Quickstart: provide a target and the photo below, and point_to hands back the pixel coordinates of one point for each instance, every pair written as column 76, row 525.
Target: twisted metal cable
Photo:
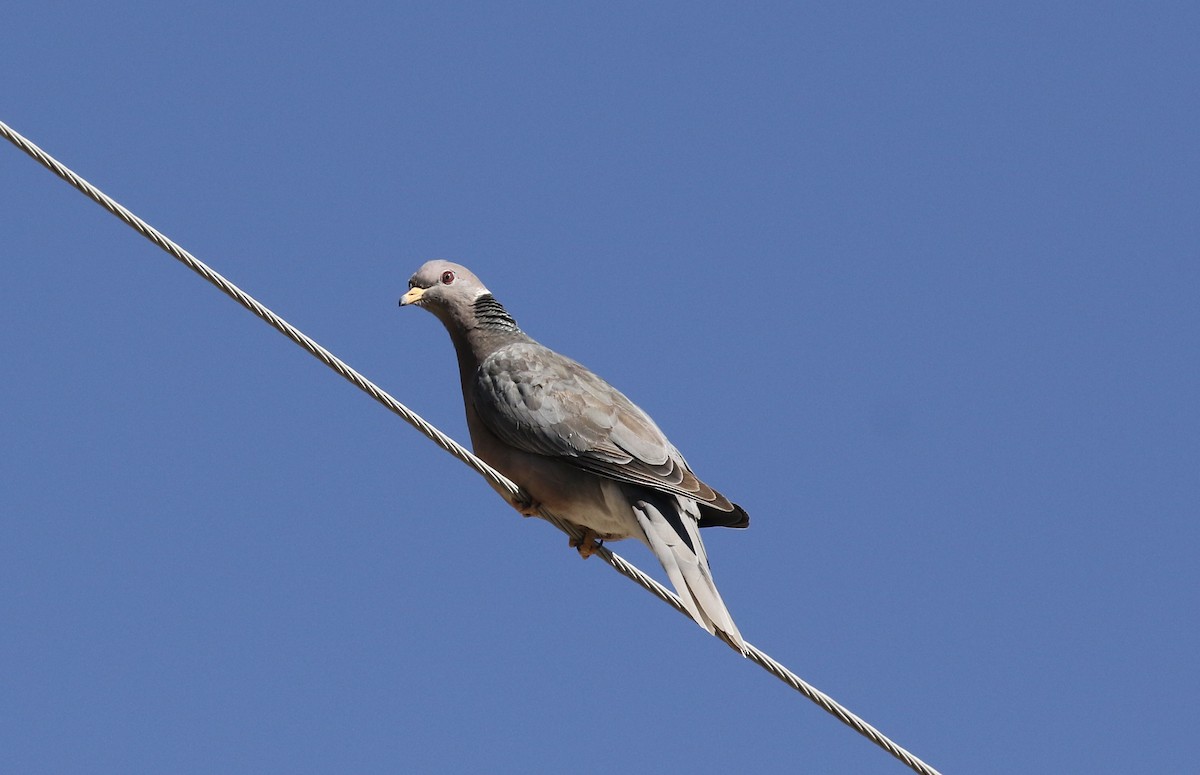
column 505, row 487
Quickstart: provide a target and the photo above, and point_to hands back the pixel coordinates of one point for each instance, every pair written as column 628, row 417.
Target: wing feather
column 539, row 401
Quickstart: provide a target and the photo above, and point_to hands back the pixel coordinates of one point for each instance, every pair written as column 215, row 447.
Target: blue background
column 916, row 284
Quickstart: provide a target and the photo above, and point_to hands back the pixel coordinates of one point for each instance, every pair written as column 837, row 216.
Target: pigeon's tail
column 671, row 525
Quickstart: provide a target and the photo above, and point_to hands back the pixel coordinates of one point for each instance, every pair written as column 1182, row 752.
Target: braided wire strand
column 506, row 488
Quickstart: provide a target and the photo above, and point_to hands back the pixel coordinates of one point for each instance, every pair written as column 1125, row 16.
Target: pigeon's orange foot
column 526, row 505
column 587, row 545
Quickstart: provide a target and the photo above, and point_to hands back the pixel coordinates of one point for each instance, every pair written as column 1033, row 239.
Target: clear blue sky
column 918, row 286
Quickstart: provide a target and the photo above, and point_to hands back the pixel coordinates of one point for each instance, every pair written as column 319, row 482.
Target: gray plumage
column 576, row 444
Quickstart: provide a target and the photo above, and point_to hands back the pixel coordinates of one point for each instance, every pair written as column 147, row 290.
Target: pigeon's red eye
column 447, row 278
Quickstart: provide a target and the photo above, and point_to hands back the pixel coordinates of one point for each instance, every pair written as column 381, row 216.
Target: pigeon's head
column 446, row 289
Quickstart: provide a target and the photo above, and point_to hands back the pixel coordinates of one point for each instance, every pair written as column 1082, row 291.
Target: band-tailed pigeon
column 576, row 444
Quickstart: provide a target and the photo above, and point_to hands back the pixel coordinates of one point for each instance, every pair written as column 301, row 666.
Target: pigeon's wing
column 538, row 401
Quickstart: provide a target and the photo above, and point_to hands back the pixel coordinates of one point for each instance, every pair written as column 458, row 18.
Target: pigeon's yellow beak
column 412, row 297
